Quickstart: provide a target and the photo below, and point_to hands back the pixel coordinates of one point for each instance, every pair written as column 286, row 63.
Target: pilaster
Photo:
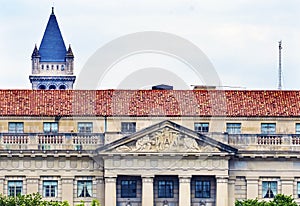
column 67, row 189
column 184, row 190
column 147, row 191
column 222, row 191
column 252, row 187
column 110, row 191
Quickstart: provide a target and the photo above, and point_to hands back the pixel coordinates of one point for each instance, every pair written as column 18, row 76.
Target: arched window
column 62, row 87
column 42, row 87
column 52, row 87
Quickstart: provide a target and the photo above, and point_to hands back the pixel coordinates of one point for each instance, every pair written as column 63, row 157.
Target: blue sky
column 238, row 36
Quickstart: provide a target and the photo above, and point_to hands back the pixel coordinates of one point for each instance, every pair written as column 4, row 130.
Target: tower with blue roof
column 52, row 63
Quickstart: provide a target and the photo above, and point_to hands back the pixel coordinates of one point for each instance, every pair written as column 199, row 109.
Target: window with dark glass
column 85, row 127
column 298, row 189
column 49, row 188
column 84, row 188
column 269, row 189
column 268, row 128
column 128, row 188
column 165, row 189
column 201, row 127
column 128, row 127
column 50, row 127
column 202, row 189
column 233, row 128
column 14, row 187
column 297, row 128
column 15, row 127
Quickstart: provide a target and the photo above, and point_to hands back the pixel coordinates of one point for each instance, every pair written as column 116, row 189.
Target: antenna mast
column 279, row 68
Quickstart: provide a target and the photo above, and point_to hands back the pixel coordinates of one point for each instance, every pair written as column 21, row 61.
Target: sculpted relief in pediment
column 166, row 140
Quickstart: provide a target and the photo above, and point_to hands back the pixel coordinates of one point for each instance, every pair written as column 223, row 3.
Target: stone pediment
column 166, row 137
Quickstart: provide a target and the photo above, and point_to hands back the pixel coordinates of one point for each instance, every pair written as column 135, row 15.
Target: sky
column 240, row 37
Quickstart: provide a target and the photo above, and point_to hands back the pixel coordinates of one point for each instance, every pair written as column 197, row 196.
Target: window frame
column 266, row 188
column 234, row 128
column 268, row 128
column 128, row 127
column 50, row 190
column 165, row 189
column 14, row 188
column 51, row 128
column 201, row 126
column 89, row 188
column 14, row 127
column 85, row 127
column 128, row 190
column 202, row 189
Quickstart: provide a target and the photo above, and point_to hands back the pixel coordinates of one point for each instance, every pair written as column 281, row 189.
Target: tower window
column 42, row 87
column 62, row 67
column 47, row 67
column 62, row 87
column 52, row 87
column 42, row 66
column 57, row 67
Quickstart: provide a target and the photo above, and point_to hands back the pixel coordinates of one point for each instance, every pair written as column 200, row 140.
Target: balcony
column 58, row 141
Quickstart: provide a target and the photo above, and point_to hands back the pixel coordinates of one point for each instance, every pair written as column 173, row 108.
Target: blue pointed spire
column 52, row 48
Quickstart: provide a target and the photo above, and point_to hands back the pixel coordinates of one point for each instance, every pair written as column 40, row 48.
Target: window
column 268, row 128
column 14, row 188
column 165, row 189
column 85, row 127
column 49, row 188
column 128, row 188
column 297, row 128
column 269, row 189
column 128, row 127
column 84, row 188
column 298, row 189
column 233, row 128
column 202, row 189
column 51, row 127
column 15, row 127
column 201, row 127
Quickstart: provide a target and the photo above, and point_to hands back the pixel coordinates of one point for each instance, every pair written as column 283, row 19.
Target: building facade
column 150, row 147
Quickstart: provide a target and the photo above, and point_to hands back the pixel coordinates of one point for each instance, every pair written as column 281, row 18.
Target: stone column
column 67, row 189
column 287, row 184
column 100, row 190
column 147, row 191
column 110, row 191
column 222, row 191
column 2, row 185
column 32, row 185
column 231, row 191
column 184, row 190
column 252, row 187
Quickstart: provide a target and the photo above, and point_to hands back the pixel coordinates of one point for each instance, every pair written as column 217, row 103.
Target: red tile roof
column 231, row 103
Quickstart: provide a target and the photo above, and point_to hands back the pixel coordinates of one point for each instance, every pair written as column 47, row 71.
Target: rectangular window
column 268, row 128
column 15, row 127
column 50, row 127
column 297, row 128
column 14, row 188
column 202, row 189
column 201, row 127
column 85, row 127
column 269, row 189
column 298, row 189
column 128, row 188
column 128, row 127
column 233, row 128
column 165, row 189
column 84, row 188
column 49, row 188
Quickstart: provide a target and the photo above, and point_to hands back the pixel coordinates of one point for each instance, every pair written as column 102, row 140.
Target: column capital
column 252, row 178
column 222, row 179
column 110, row 179
column 147, row 179
column 185, row 178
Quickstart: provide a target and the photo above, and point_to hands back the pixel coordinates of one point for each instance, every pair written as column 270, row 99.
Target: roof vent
column 203, row 87
column 162, row 87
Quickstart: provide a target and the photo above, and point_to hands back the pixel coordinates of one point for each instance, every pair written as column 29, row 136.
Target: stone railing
column 264, row 142
column 59, row 141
